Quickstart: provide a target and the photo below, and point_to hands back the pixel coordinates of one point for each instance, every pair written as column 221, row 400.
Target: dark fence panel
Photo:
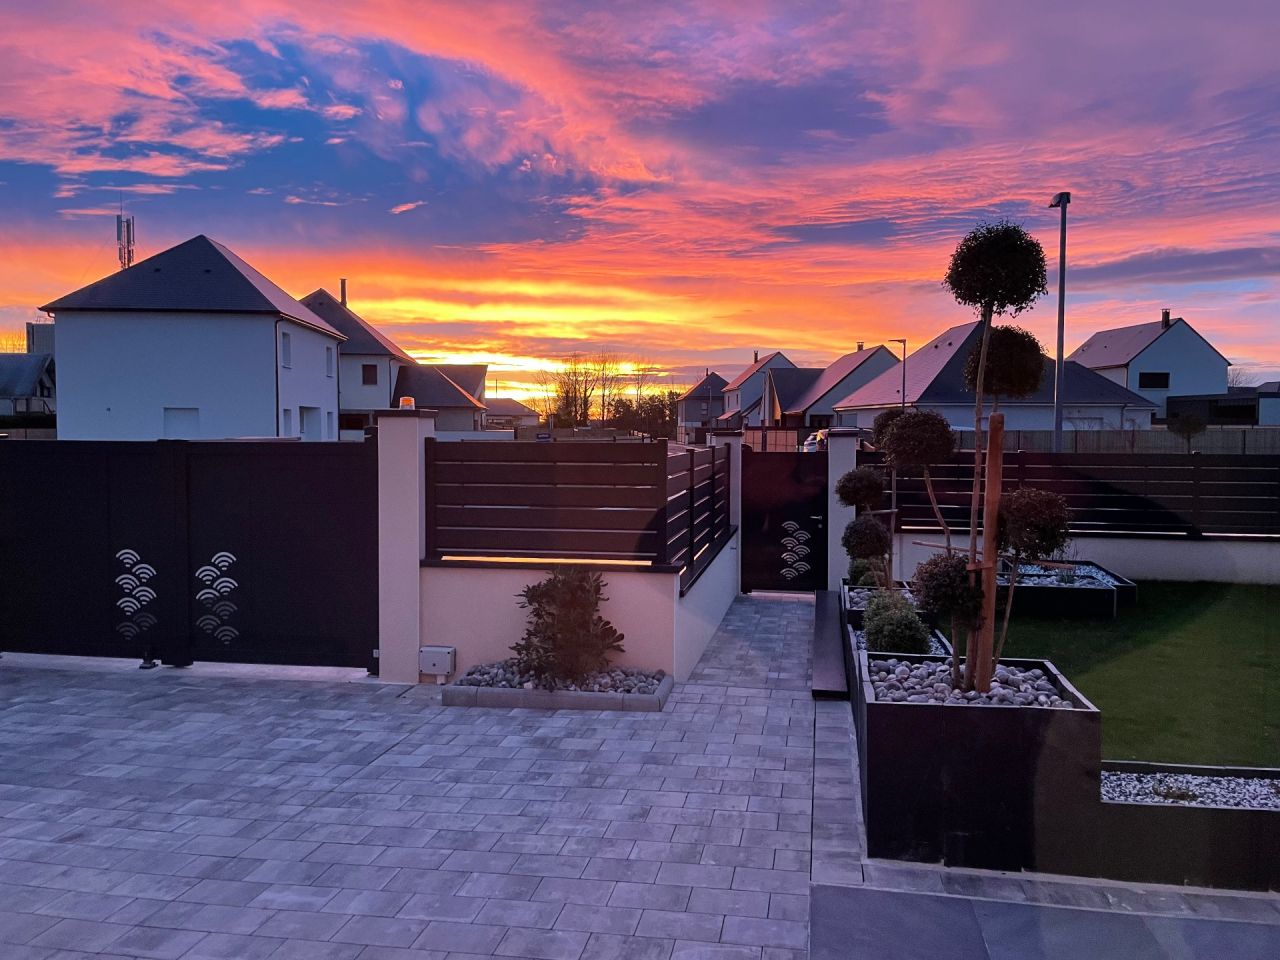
column 1186, row 494
column 590, row 501
column 250, row 552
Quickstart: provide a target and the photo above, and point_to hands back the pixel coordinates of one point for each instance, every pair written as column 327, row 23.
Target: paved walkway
column 170, row 814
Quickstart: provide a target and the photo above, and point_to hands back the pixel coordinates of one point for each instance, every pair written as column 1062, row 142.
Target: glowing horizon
column 679, row 187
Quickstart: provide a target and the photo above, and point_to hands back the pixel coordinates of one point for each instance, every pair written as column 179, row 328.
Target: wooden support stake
column 984, row 667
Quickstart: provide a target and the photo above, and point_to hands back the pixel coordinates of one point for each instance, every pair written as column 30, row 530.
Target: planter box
column 1060, row 601
column 456, row 695
column 994, row 787
column 853, row 615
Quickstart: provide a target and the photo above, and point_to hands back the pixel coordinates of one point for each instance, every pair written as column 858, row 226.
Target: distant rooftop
column 832, row 375
column 1118, row 346
column 199, row 275
column 431, row 387
column 710, row 385
column 755, row 368
column 362, row 337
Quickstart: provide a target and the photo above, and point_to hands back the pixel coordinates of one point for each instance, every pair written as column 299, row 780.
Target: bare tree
column 13, row 343
column 1239, row 377
column 643, row 372
column 576, row 382
column 609, row 382
column 545, row 401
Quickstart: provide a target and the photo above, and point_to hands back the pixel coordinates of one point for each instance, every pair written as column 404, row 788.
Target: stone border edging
column 455, row 695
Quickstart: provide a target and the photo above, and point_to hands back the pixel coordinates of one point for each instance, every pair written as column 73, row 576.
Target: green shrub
column 881, row 424
column 892, row 625
column 863, row 487
column 859, row 568
column 943, row 590
column 917, row 440
column 566, row 638
column 1015, row 364
column 865, row 538
column 1033, row 523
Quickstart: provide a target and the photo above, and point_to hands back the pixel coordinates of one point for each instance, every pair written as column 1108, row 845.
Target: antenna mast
column 124, row 240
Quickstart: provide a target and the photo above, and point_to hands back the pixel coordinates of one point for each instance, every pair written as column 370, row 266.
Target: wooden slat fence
column 1188, row 494
column 591, row 501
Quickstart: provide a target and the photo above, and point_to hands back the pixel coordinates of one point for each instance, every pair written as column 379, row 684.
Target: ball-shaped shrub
column 1033, row 523
column 880, row 425
column 1015, row 364
column 997, row 266
column 918, row 439
column 942, row 588
column 891, row 624
column 865, row 538
column 859, row 568
column 862, row 487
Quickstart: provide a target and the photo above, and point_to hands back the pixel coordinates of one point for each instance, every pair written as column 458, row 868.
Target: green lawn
column 1191, row 674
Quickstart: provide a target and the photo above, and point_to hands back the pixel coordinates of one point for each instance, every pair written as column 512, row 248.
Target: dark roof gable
column 362, row 337
column 197, row 276
column 430, row 387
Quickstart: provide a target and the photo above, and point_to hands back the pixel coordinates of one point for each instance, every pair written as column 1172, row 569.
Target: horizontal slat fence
column 1188, row 494
column 589, row 501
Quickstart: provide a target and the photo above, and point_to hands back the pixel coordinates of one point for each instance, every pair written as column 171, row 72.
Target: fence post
column 402, row 530
column 662, row 553
column 842, row 456
column 1196, row 519
column 733, row 439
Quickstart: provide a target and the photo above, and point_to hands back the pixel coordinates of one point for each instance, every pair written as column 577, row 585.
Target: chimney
column 756, row 357
column 861, row 344
column 1164, row 319
column 342, row 295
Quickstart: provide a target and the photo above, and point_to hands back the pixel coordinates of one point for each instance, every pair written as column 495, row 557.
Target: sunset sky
column 681, row 182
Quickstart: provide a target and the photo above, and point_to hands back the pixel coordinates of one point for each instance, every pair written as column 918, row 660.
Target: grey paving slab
column 245, row 813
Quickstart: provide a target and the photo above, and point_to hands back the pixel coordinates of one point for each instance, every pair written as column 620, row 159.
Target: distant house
column 368, row 363
column 744, row 393
column 507, row 413
column 935, row 381
column 1157, row 360
column 193, row 343
column 699, row 407
column 457, row 409
column 27, row 384
column 1257, row 406
column 805, row 397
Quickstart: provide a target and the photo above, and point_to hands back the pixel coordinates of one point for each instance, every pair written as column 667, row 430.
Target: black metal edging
column 715, row 548
column 1186, row 769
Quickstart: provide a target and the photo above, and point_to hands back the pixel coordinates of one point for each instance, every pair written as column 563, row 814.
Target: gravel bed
column 615, row 680
column 1051, row 580
column 1082, row 570
column 1192, row 790
column 859, row 597
column 936, row 649
column 930, row 682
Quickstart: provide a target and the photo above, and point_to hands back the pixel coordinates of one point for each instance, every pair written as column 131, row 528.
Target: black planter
column 853, row 615
column 996, row 787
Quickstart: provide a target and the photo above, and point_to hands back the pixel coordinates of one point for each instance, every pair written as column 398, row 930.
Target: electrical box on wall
column 437, row 660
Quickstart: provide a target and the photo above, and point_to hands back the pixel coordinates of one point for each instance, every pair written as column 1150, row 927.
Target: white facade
column 751, row 390
column 1182, row 356
column 156, row 375
column 355, row 394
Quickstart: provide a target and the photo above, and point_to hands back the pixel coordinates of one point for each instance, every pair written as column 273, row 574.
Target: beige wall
column 476, row 610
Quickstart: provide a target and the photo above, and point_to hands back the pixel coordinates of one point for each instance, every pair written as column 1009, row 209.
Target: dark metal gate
column 241, row 552
column 784, row 519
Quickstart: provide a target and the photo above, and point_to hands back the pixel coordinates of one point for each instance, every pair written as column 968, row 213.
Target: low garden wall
column 473, row 606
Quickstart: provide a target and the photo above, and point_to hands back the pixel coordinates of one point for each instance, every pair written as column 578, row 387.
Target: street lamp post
column 1060, row 201
column 893, row 476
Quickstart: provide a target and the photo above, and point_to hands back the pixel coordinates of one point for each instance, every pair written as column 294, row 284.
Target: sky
column 679, row 184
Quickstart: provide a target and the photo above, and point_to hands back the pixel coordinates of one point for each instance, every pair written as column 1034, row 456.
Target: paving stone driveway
column 174, row 815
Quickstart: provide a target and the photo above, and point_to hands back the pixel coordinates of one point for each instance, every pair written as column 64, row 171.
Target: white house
column 699, row 407
column 1157, row 359
column 368, row 363
column 743, row 394
column 508, row 413
column 800, row 397
column 935, row 381
column 193, row 343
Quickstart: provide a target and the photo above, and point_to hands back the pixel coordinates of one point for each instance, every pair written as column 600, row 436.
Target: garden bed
column 1047, row 594
column 502, row 685
column 854, row 600
column 1126, row 589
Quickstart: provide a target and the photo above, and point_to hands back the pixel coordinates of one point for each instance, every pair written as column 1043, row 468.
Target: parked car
column 817, row 441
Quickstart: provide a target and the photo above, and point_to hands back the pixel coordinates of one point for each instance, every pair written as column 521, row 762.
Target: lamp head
column 1060, row 200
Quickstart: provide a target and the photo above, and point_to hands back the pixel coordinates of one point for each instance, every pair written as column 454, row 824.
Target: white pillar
column 733, row 440
column 842, row 456
column 402, row 483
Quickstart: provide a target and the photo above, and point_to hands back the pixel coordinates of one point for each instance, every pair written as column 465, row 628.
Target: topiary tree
column 998, row 269
column 866, row 538
column 880, row 425
column 916, row 440
column 1034, row 524
column 1015, row 365
column 566, row 638
column 1187, row 426
column 862, row 487
column 891, row 624
column 945, row 591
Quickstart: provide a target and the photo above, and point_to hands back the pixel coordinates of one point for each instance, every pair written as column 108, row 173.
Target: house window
column 286, row 350
column 328, row 424
column 286, row 421
column 820, row 422
column 328, row 361
column 369, row 374
column 1153, row 381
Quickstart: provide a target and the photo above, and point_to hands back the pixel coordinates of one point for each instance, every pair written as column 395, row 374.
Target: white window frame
column 286, row 350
